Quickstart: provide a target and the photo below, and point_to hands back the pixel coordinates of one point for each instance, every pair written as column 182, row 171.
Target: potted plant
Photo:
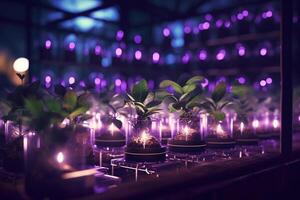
column 185, row 100
column 111, row 133
column 215, row 105
column 143, row 146
column 13, row 111
column 243, row 106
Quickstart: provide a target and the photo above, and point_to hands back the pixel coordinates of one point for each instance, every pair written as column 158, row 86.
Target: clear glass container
column 188, row 137
column 144, row 144
column 220, row 133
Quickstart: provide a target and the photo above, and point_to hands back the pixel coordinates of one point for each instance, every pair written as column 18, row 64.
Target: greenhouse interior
column 149, row 99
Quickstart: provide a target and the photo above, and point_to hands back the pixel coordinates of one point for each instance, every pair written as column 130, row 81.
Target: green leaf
column 140, row 91
column 218, row 115
column 153, row 104
column 176, row 86
column 188, row 96
column 117, row 123
column 70, row 100
column 195, row 79
column 189, row 88
column 240, row 91
column 53, row 105
column 171, row 108
column 85, row 100
column 219, row 92
column 78, row 111
column 34, row 106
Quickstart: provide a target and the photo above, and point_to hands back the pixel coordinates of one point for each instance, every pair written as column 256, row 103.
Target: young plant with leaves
column 112, row 105
column 244, row 102
column 13, row 104
column 144, row 102
column 73, row 106
column 184, row 99
column 217, row 102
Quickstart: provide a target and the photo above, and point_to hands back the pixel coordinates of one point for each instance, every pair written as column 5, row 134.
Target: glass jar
column 243, row 132
column 144, row 145
column 220, row 132
column 188, row 138
column 51, row 157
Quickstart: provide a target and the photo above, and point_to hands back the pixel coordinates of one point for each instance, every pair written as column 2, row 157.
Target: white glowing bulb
column 275, row 123
column 112, row 128
column 144, row 137
column 21, row 65
column 60, row 157
column 242, row 126
column 255, row 123
column 186, row 130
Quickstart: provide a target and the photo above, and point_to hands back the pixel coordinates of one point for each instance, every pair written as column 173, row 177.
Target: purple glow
column 82, row 83
column 219, row 23
column 227, row 24
column 263, row 51
column 118, row 52
column 195, row 30
column 137, row 39
column 269, row 13
column 221, row 54
column 138, row 55
column 187, row 30
column 202, row 55
column 208, row 17
column 262, row 83
column 245, row 13
column 118, row 82
column 185, row 58
column 241, row 51
column 71, row 80
column 120, row 35
column 123, row 86
column 240, row 16
column 205, row 25
column 97, row 81
column 97, row 50
column 299, row 118
column 166, row 32
column 205, row 83
column 48, row 44
column 242, row 80
column 48, row 79
column 72, row 46
column 155, row 57
column 269, row 80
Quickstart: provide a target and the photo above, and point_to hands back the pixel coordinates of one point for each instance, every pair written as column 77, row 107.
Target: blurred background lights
column 263, row 51
column 119, row 35
column 138, row 55
column 48, row 44
column 269, row 80
column 202, row 55
column 48, row 79
column 262, row 83
column 241, row 51
column 97, row 50
column 137, row 39
column 221, row 54
column 241, row 80
column 72, row 46
column 118, row 82
column 155, row 57
column 118, row 52
column 97, row 81
column 166, row 32
column 71, row 80
column 21, row 65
